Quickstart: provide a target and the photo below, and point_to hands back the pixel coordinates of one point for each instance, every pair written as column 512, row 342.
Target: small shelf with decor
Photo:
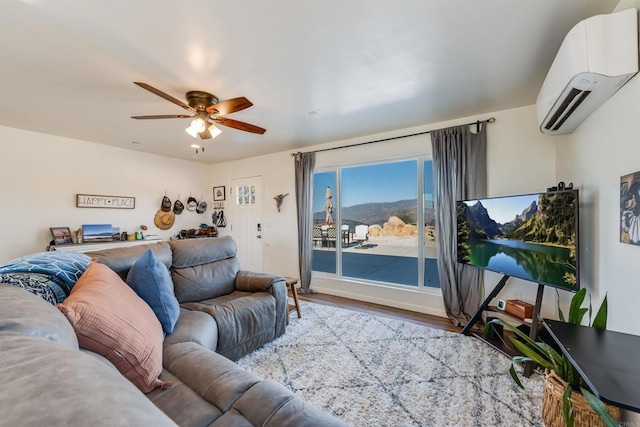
column 89, row 247
column 532, row 323
column 499, row 340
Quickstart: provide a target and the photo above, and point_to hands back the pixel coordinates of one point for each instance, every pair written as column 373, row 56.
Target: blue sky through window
column 385, row 182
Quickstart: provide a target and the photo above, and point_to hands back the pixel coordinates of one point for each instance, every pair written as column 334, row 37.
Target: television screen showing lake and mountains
column 532, row 237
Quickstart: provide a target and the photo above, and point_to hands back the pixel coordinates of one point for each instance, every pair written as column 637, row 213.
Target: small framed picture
column 61, row 235
column 218, row 194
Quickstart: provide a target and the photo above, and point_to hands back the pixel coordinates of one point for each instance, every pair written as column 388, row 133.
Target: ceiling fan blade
column 166, row 116
column 230, row 106
column 239, row 125
column 165, row 96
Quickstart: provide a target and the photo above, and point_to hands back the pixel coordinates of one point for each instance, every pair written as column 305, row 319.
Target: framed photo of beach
column 61, row 235
column 97, row 233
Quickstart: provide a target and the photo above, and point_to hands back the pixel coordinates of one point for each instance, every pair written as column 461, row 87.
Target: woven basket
column 584, row 415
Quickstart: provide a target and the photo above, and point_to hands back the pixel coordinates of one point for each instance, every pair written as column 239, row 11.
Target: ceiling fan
column 207, row 110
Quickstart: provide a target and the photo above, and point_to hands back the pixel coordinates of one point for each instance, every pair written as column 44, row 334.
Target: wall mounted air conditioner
column 597, row 57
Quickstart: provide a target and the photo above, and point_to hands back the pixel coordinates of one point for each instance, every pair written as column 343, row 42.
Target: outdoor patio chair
column 317, row 236
column 324, row 231
column 361, row 235
column 346, row 236
column 331, row 236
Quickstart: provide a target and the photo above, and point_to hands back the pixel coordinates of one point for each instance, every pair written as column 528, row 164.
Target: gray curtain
column 304, row 164
column 459, row 172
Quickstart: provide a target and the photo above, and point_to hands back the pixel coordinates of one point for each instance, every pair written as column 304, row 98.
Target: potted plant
column 566, row 395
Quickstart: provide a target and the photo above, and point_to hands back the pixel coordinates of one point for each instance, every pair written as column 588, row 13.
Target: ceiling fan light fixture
column 215, row 131
column 191, row 132
column 197, row 125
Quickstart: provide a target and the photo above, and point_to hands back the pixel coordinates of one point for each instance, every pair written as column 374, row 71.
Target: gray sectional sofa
column 224, row 313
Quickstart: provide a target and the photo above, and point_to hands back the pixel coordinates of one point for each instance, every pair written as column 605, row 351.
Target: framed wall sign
column 111, row 202
column 219, row 194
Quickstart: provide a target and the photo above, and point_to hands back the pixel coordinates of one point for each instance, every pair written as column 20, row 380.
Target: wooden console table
column 607, row 360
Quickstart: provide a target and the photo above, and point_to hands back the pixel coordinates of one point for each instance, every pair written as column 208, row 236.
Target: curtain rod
column 477, row 123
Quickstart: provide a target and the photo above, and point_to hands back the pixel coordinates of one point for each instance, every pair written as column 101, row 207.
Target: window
column 367, row 223
column 246, row 195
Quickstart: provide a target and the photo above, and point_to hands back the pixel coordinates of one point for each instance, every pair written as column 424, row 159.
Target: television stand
column 535, row 320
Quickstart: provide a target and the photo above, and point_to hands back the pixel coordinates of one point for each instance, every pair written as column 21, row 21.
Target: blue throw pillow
column 152, row 282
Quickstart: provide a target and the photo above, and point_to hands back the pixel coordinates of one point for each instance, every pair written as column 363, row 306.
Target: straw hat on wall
column 164, row 220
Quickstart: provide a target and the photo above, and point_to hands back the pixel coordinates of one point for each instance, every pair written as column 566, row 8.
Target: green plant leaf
column 576, row 303
column 533, row 354
column 599, row 408
column 567, row 406
column 600, row 321
column 560, row 313
column 485, row 331
column 554, row 357
column 514, row 375
column 516, row 331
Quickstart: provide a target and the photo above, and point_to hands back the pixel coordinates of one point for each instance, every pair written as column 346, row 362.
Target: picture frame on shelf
column 97, row 233
column 219, row 194
column 61, row 235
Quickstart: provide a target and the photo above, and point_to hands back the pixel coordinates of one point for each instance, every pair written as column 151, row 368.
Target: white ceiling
column 68, row 66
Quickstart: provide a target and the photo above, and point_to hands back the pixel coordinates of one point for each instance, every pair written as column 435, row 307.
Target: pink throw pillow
column 111, row 320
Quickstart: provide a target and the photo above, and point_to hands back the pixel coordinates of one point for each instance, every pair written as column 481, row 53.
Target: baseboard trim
column 381, row 301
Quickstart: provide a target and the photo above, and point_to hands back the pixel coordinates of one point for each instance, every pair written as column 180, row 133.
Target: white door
column 245, row 219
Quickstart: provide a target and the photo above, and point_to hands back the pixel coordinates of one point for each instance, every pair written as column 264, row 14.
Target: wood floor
column 381, row 310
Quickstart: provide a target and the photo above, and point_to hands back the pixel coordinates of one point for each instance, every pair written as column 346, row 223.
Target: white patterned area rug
column 377, row 371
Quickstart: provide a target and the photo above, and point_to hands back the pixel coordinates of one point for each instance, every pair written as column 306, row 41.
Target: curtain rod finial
column 491, row 120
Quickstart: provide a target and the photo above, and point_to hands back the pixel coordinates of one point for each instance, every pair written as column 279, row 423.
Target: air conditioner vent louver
column 597, row 57
column 569, row 105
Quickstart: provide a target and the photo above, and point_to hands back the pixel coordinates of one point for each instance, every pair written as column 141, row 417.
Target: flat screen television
column 532, row 236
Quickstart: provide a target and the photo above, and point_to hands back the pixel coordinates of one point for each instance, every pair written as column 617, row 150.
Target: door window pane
column 246, row 195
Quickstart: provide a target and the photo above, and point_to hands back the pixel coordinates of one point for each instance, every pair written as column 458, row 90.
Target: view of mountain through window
column 370, row 223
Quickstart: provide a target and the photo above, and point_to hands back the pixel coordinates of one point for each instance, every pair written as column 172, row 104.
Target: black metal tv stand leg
column 467, row 328
column 535, row 323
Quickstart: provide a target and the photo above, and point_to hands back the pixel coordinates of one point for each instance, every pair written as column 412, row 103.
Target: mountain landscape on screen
column 532, row 237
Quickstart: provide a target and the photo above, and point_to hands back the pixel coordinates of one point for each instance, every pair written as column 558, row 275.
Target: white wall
column 519, row 160
column 280, row 229
column 41, row 174
column 604, row 148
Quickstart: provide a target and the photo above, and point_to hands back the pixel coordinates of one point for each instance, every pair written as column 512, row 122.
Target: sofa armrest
column 248, row 281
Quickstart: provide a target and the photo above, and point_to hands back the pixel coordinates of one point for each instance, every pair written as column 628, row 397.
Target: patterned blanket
column 63, row 270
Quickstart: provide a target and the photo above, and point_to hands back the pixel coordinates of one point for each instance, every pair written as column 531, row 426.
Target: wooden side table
column 291, row 285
